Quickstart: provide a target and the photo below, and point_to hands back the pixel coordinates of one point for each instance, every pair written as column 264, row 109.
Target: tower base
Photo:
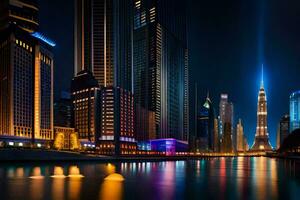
column 262, row 144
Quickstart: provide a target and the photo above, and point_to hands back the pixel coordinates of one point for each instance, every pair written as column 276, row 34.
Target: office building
column 23, row 13
column 283, row 130
column 294, row 111
column 160, row 60
column 26, row 87
column 103, row 41
column 117, row 122
column 204, row 140
column 261, row 141
column 242, row 144
column 86, row 105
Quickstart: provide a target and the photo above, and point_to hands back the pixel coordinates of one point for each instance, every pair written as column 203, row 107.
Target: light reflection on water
column 214, row 178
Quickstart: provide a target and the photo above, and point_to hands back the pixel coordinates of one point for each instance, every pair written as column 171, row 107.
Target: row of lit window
column 24, row 45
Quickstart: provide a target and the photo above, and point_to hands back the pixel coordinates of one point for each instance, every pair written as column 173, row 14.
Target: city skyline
column 209, row 39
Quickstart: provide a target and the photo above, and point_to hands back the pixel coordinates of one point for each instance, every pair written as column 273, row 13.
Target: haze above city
column 228, row 42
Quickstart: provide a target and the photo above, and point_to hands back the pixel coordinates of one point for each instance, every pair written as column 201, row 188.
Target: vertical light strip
column 37, row 96
column 82, row 35
column 104, row 43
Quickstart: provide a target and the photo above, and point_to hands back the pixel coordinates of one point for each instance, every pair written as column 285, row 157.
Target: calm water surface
column 217, row 178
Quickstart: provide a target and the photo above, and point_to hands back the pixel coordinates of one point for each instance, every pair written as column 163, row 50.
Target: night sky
column 228, row 42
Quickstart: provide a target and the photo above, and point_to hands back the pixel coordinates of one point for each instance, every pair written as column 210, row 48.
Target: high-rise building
column 283, row 130
column 103, row 41
column 226, row 144
column 216, row 135
column 26, row 86
column 261, row 141
column 294, row 111
column 86, row 105
column 160, row 59
column 117, row 122
column 23, row 13
column 63, row 111
column 241, row 141
column 204, row 140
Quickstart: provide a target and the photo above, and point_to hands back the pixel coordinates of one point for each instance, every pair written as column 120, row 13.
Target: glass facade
column 294, row 111
column 160, row 62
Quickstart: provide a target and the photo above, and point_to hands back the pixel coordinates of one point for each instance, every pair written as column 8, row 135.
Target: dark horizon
column 228, row 42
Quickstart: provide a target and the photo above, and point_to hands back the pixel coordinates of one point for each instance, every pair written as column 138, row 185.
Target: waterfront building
column 204, row 140
column 160, row 60
column 117, row 122
column 294, row 111
column 227, row 144
column 283, row 130
column 167, row 146
column 63, row 111
column 65, row 138
column 26, row 87
column 86, row 105
column 242, row 144
column 23, row 13
column 103, row 41
column 216, row 135
column 261, row 141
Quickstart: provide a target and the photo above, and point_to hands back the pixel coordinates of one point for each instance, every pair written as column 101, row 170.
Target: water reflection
column 112, row 187
column 218, row 178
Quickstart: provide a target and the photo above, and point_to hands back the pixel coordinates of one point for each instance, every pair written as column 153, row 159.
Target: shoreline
column 38, row 155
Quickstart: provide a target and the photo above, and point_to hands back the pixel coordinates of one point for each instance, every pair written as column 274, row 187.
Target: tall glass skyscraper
column 294, row 110
column 160, row 59
column 103, row 41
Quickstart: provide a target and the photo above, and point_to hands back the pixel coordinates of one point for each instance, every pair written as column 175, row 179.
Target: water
column 217, row 178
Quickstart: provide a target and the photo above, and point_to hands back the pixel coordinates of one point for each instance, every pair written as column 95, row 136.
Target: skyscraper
column 86, row 105
column 23, row 13
column 26, row 86
column 242, row 144
column 204, row 140
column 294, row 111
column 117, row 122
column 103, row 41
column 261, row 142
column 284, row 128
column 160, row 59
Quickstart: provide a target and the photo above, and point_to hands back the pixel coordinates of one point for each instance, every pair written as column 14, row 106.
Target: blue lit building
column 294, row 110
column 167, row 145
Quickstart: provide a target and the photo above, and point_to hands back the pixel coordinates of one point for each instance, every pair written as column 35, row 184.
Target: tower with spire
column 261, row 142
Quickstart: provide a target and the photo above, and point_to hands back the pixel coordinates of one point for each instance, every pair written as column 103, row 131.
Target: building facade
column 26, row 86
column 160, row 60
column 86, row 105
column 294, row 111
column 283, row 130
column 103, row 41
column 242, row 144
column 117, row 135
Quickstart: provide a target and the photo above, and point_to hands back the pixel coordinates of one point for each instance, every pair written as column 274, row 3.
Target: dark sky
column 228, row 42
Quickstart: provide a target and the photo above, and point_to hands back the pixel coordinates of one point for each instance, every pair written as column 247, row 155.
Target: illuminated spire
column 262, row 76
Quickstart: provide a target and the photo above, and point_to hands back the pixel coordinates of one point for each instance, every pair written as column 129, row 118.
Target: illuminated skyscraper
column 261, row 142
column 283, row 129
column 103, row 41
column 294, row 111
column 160, row 59
column 26, row 86
column 86, row 105
column 117, row 122
column 23, row 13
column 242, row 144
